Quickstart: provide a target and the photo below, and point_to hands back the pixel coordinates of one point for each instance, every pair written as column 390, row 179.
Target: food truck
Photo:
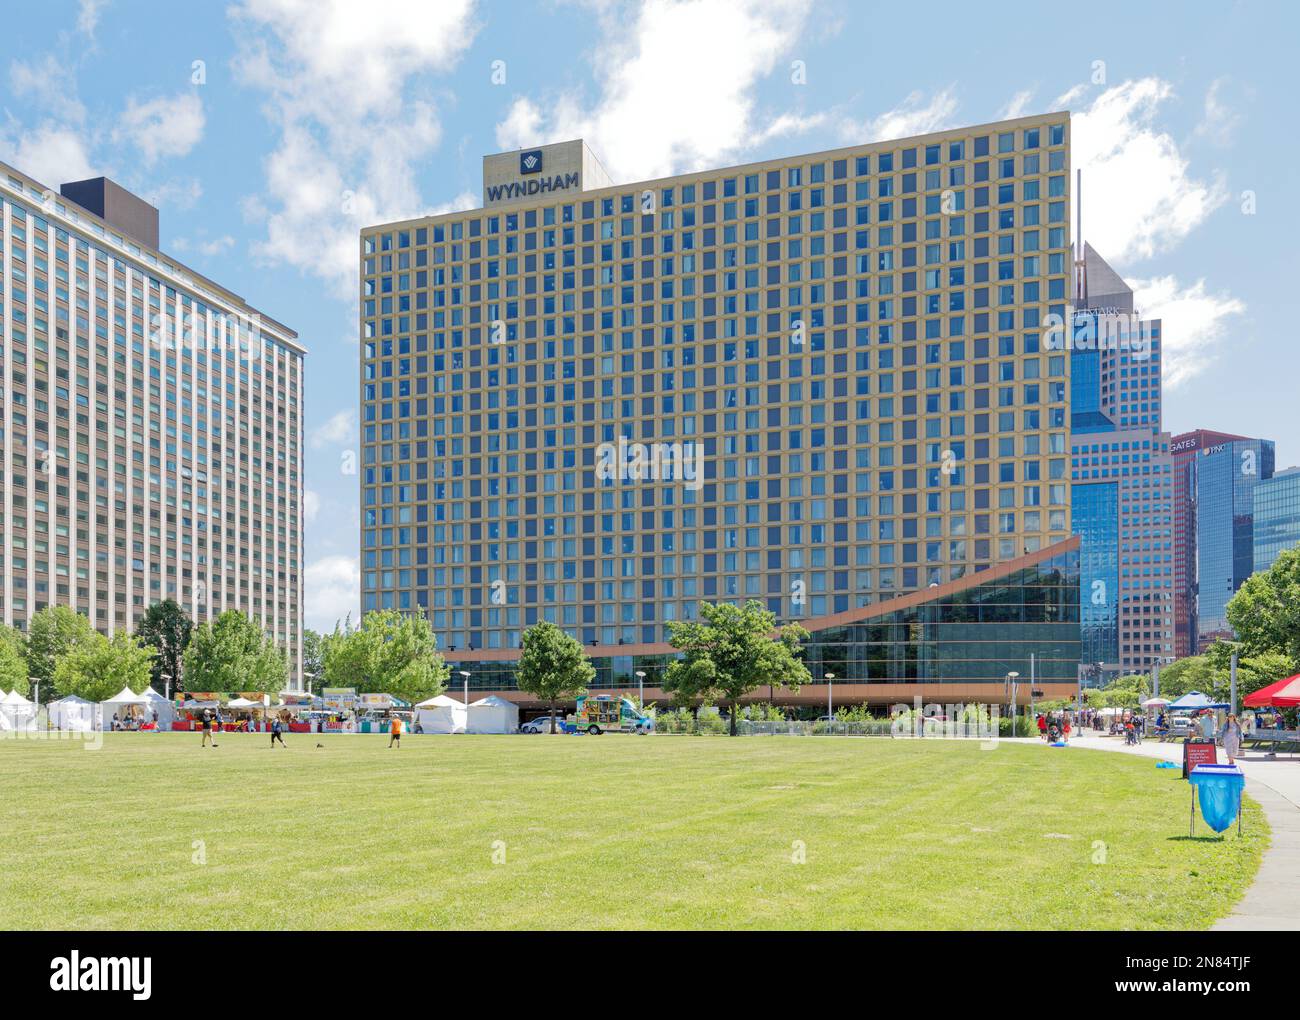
column 601, row 713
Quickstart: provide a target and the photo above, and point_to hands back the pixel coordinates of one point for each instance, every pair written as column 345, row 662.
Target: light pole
column 465, row 676
column 311, row 676
column 167, row 685
column 830, row 700
column 640, row 689
column 1012, row 677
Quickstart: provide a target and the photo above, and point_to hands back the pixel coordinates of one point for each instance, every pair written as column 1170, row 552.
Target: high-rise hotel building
column 151, row 424
column 817, row 381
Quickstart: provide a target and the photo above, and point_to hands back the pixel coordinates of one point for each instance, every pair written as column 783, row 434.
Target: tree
column 1211, row 673
column 1265, row 612
column 233, row 654
column 313, row 653
column 732, row 651
column 98, row 669
column 390, row 653
column 166, row 627
column 13, row 669
column 552, row 665
column 52, row 633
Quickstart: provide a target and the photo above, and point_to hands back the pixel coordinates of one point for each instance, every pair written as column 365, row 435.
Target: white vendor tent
column 73, row 713
column 157, row 703
column 493, row 715
column 122, row 703
column 16, row 712
column 441, row 715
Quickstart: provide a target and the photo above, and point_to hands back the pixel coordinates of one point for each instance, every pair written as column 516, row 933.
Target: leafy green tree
column 52, row 633
column 233, row 654
column 166, row 627
column 1128, row 691
column 733, row 650
column 313, row 653
column 1211, row 673
column 390, row 653
column 552, row 665
column 1265, row 612
column 97, row 669
column 13, row 670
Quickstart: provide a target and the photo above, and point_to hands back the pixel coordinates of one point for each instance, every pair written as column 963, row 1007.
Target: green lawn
column 602, row 832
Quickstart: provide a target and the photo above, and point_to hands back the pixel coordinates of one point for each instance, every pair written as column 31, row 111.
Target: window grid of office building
column 850, row 340
column 151, row 428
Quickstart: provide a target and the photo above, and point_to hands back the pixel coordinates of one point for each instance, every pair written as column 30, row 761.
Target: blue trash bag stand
column 1220, row 788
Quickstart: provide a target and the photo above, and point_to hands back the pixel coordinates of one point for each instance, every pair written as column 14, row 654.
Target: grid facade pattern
column 1226, row 477
column 151, row 430
column 1277, row 517
column 850, row 340
column 1128, row 529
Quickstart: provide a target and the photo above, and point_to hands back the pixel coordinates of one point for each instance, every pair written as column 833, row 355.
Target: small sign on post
column 1199, row 752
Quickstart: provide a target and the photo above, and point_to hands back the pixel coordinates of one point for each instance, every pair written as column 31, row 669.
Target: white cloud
column 210, row 246
column 345, row 84
column 1220, row 120
column 1139, row 198
column 342, row 427
column 310, row 505
column 162, row 128
column 677, row 82
column 51, row 83
column 88, row 15
column 51, row 153
column 1194, row 323
column 916, row 115
column 1020, row 105
column 332, row 588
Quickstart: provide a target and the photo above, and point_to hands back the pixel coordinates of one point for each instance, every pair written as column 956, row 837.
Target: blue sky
column 269, row 131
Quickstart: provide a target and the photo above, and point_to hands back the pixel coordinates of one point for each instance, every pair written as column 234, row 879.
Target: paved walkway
column 1272, row 903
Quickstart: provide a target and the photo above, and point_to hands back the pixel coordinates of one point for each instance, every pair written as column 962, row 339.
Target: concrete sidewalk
column 1272, row 903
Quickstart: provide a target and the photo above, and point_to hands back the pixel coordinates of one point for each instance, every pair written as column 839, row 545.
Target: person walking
column 207, row 724
column 277, row 732
column 395, row 729
column 1232, row 738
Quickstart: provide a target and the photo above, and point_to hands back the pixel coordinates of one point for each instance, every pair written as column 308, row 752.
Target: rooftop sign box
column 547, row 172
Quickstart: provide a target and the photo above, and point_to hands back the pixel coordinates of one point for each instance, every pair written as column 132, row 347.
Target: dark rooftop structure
column 113, row 203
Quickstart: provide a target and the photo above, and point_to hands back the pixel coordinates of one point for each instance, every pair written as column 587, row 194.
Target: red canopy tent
column 1283, row 694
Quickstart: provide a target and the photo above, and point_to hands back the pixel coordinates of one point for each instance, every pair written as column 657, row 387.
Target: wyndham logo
column 530, row 162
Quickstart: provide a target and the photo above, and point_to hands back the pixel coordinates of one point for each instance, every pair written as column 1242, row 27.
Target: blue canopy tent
column 1195, row 701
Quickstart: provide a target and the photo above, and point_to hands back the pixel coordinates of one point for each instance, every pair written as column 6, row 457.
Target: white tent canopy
column 441, row 715
column 72, row 713
column 121, row 701
column 157, row 703
column 16, row 712
column 493, row 715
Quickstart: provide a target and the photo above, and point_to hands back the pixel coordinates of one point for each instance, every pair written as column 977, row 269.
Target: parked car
column 542, row 724
column 1180, row 725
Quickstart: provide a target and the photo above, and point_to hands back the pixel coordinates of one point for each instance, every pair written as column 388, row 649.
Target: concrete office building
column 151, row 424
column 1122, row 479
column 1215, row 477
column 1277, row 516
column 817, row 381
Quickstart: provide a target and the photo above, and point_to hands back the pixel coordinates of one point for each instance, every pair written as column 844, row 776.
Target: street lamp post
column 167, row 685
column 640, row 689
column 1012, row 677
column 830, row 700
column 465, row 676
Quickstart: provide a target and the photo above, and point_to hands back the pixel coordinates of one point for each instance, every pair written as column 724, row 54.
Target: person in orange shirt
column 396, row 730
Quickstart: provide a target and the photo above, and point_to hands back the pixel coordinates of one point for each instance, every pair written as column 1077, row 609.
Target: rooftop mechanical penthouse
column 847, row 346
